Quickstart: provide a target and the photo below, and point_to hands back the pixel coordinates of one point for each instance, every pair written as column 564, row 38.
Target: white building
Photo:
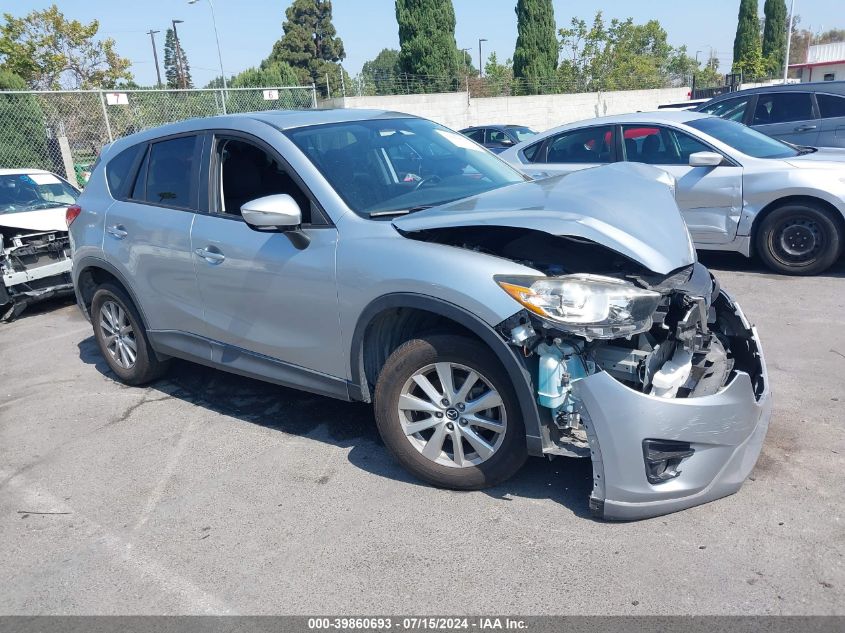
column 825, row 62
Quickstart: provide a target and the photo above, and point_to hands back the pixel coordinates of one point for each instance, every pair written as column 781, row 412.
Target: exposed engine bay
column 34, row 266
column 691, row 344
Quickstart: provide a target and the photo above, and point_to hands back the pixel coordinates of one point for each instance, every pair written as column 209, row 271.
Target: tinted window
column 117, row 169
column 476, row 135
column 532, row 152
column 783, row 107
column 731, row 109
column 587, row 145
column 171, row 172
column 830, row 106
column 745, row 139
column 659, row 145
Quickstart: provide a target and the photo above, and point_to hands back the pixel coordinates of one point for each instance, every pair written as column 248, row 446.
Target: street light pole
column 152, row 33
column 464, row 53
column 788, row 41
column 480, row 61
column 181, row 79
column 217, row 39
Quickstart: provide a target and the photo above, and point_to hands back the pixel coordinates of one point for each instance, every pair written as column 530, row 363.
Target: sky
column 248, row 28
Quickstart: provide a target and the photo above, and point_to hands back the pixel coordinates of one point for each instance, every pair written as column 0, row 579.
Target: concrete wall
column 541, row 112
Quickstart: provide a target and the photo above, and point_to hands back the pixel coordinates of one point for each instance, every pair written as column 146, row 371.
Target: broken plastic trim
column 662, row 458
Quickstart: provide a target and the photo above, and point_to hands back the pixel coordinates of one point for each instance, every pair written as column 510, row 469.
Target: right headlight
column 591, row 306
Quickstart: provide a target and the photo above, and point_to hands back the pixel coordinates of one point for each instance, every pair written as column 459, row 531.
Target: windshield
column 27, row 192
column 521, row 133
column 393, row 166
column 743, row 138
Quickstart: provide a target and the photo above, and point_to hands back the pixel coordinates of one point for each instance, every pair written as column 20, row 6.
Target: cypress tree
column 427, row 40
column 774, row 35
column 748, row 53
column 172, row 66
column 536, row 54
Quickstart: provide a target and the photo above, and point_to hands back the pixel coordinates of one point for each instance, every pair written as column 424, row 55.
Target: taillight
column 72, row 213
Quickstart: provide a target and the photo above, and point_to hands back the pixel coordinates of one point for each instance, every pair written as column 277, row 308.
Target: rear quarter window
column 118, row 168
column 530, row 153
column 831, row 106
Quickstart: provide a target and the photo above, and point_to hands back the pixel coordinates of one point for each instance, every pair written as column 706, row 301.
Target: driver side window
column 246, row 172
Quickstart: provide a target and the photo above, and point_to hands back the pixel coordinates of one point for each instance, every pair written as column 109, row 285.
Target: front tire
column 122, row 338
column 447, row 411
column 799, row 239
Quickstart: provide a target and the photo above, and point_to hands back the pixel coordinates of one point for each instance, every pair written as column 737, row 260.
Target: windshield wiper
column 804, row 149
column 382, row 214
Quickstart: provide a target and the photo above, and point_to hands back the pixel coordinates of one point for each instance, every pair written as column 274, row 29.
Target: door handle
column 212, row 257
column 805, row 128
column 117, row 231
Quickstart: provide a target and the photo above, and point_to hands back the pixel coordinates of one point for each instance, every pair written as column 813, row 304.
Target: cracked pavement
column 210, row 493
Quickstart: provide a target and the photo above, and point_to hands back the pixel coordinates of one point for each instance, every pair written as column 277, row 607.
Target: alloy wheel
column 452, row 415
column 118, row 335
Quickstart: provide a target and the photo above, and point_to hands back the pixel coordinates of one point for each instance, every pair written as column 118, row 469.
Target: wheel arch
column 89, row 274
column 392, row 319
column 838, row 214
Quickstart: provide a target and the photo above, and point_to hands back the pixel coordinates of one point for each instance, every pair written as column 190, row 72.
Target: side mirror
column 507, row 142
column 705, row 159
column 279, row 212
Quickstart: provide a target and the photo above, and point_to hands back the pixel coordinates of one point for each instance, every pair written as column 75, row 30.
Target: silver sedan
column 738, row 189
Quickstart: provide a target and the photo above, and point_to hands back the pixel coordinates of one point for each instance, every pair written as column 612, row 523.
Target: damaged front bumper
column 671, row 418
column 722, row 433
column 34, row 267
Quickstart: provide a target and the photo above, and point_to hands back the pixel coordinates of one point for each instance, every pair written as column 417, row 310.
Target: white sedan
column 34, row 247
column 738, row 189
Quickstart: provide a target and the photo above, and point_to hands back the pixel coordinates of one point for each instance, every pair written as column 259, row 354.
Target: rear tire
column 799, row 239
column 465, row 435
column 122, row 337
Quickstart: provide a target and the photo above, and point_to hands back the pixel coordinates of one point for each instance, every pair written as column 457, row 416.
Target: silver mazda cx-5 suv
column 379, row 257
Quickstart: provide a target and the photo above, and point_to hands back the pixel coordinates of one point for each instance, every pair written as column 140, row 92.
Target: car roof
column 279, row 119
column 657, row 117
column 834, row 87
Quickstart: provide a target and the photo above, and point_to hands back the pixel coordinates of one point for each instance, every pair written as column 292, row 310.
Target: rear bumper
column 726, row 431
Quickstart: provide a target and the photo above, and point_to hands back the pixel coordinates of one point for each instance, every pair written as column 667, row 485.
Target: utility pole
column 480, row 61
column 179, row 70
column 788, row 41
column 465, row 54
column 152, row 33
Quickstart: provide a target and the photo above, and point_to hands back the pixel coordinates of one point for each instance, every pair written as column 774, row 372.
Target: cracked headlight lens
column 591, row 306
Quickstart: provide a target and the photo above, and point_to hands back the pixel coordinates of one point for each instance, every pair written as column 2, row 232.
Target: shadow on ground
column 345, row 424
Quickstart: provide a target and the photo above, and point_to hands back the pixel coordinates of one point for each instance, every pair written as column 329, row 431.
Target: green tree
column 23, row 137
column 620, row 56
column 709, row 76
column 499, row 76
column 427, row 41
column 748, row 52
column 379, row 75
column 272, row 76
column 774, row 35
column 536, row 55
column 51, row 52
column 177, row 71
column 310, row 46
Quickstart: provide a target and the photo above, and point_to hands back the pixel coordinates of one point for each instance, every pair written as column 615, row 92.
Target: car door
column 788, row 116
column 710, row 198
column 148, row 228
column 570, row 151
column 265, row 295
column 832, row 120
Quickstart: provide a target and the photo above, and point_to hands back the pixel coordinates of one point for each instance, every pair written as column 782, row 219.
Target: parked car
column 739, row 190
column 804, row 114
column 379, row 257
column 34, row 248
column 497, row 138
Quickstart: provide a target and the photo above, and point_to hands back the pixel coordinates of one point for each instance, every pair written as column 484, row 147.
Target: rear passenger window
column 117, row 170
column 783, row 107
column 169, row 173
column 831, row 106
column 587, row 145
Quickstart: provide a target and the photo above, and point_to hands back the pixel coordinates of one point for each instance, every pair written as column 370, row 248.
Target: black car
column 497, row 138
column 810, row 114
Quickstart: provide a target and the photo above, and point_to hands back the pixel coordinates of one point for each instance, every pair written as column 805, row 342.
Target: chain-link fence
column 64, row 131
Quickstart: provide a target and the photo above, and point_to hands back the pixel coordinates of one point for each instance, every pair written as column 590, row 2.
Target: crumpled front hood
column 35, row 221
column 822, row 158
column 626, row 207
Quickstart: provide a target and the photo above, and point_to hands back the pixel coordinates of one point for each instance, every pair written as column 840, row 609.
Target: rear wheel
column 122, row 338
column 799, row 239
column 447, row 411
